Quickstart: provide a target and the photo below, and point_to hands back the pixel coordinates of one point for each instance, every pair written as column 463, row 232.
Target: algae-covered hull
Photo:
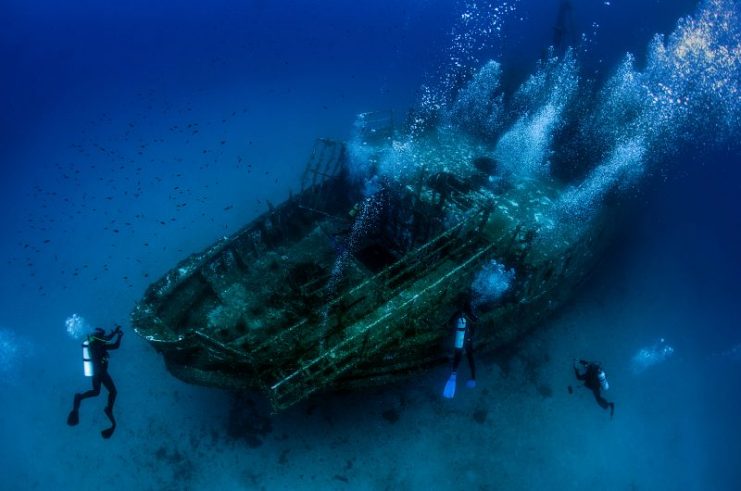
column 351, row 282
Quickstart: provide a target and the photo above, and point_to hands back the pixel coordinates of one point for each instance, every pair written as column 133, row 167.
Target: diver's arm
column 115, row 331
column 118, row 341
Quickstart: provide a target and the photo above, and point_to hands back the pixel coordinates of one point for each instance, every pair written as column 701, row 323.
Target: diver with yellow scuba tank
column 95, row 364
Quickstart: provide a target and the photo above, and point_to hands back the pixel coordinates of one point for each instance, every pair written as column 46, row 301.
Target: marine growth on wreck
column 505, row 200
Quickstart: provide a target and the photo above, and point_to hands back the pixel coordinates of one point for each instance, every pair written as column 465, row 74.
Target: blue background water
column 132, row 135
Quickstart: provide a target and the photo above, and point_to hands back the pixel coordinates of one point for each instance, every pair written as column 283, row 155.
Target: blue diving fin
column 449, row 390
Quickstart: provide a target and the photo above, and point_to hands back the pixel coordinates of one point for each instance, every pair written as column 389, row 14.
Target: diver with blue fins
column 462, row 323
column 594, row 379
column 95, row 364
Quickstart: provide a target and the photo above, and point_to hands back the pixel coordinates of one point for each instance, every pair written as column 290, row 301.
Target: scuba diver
column 462, row 322
column 594, row 378
column 95, row 361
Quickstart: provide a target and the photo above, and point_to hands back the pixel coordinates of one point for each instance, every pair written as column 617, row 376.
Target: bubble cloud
column 77, row 326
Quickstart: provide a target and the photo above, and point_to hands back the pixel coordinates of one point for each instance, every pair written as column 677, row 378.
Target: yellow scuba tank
column 87, row 361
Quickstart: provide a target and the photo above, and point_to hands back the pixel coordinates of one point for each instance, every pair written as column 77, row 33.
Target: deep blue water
column 133, row 135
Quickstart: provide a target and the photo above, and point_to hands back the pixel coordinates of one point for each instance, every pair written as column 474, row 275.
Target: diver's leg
column 111, row 387
column 604, row 404
column 600, row 400
column 74, row 416
column 450, row 385
column 108, row 382
column 457, row 358
column 94, row 392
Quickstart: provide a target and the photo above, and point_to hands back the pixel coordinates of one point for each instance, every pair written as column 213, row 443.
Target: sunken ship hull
column 338, row 288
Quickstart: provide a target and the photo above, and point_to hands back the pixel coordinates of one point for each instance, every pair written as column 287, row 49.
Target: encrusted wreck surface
column 345, row 286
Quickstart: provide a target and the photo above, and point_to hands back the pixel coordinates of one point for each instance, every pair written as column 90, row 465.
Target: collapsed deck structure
column 351, row 281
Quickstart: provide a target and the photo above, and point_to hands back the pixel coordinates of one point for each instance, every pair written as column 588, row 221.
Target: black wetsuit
column 467, row 340
column 98, row 348
column 590, row 377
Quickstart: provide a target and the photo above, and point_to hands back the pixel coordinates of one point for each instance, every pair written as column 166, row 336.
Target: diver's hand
column 118, row 330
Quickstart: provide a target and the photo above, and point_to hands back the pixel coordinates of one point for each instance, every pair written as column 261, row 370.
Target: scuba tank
column 460, row 332
column 87, row 361
column 604, row 385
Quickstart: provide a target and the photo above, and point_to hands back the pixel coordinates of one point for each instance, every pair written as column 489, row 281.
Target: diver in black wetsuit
column 594, row 378
column 462, row 323
column 98, row 347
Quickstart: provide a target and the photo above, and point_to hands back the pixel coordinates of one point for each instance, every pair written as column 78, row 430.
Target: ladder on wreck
column 449, row 254
column 326, row 161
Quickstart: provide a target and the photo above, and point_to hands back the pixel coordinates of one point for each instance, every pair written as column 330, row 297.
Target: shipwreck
column 351, row 281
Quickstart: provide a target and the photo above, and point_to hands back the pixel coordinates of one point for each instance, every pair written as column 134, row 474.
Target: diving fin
column 449, row 390
column 107, row 432
column 73, row 418
column 74, row 415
